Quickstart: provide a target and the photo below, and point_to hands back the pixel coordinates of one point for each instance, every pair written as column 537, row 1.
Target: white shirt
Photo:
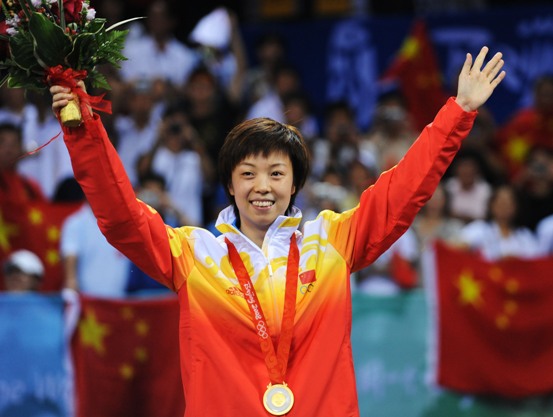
column 102, row 271
column 134, row 142
column 183, row 173
column 146, row 61
column 486, row 238
column 472, row 203
column 51, row 165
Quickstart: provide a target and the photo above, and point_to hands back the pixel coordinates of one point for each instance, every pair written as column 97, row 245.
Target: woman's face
column 503, row 206
column 262, row 188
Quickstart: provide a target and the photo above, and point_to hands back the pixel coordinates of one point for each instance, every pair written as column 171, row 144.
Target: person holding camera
column 181, row 159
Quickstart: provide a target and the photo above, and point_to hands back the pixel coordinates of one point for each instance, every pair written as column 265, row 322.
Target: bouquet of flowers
column 44, row 42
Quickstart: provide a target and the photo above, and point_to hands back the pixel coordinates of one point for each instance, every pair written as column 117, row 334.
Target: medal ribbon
column 277, row 363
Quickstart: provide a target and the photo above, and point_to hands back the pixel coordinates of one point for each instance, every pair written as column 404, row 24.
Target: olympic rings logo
column 306, row 288
column 262, row 330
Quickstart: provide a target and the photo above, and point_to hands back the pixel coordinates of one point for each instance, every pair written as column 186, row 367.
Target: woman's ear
column 230, row 188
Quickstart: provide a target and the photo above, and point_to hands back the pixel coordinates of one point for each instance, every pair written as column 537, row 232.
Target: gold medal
column 278, row 399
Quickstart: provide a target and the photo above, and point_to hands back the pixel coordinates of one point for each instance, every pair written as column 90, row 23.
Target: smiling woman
column 261, row 188
column 253, row 341
column 268, row 164
column 262, row 137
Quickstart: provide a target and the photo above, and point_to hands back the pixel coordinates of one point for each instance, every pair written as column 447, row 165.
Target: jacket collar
column 278, row 233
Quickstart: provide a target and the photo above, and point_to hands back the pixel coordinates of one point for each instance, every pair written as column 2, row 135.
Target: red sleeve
column 388, row 208
column 129, row 225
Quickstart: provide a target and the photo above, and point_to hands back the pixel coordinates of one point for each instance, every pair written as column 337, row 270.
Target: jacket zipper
column 275, row 303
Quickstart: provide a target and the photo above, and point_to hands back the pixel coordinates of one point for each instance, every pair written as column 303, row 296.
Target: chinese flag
column 527, row 129
column 416, row 69
column 126, row 356
column 36, row 226
column 495, row 324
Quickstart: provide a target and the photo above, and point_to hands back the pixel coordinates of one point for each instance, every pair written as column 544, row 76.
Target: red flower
column 72, row 10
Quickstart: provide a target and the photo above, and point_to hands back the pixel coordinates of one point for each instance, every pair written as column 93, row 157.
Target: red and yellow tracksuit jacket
column 223, row 370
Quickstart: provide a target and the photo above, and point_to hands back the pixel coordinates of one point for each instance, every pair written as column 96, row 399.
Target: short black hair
column 263, row 136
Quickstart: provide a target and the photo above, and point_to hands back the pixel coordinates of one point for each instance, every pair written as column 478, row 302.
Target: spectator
column 137, row 131
column 270, row 53
column 340, row 145
column 158, row 54
column 51, row 165
column 434, row 221
column 152, row 191
column 535, row 187
column 392, row 132
column 481, row 142
column 182, row 160
column 23, row 272
column 209, row 109
column 91, row 265
column 500, row 236
column 222, row 50
column 14, row 187
column 17, row 110
column 297, row 112
column 467, row 190
column 285, row 80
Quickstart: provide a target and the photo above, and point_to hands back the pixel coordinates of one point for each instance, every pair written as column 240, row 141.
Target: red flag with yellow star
column 495, row 324
column 525, row 130
column 126, row 356
column 36, row 226
column 416, row 69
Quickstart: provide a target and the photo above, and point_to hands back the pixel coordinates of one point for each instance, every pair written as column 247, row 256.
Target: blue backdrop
column 343, row 58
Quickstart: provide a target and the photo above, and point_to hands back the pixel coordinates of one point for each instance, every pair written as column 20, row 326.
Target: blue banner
column 34, row 376
column 342, row 59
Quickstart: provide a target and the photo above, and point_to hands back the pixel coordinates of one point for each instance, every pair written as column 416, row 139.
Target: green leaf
column 27, row 8
column 51, row 44
column 124, row 22
column 21, row 48
column 62, row 14
column 98, row 80
column 22, row 81
column 84, row 46
column 4, row 80
column 110, row 46
column 95, row 25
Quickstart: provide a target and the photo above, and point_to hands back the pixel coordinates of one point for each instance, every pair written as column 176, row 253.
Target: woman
column 500, row 236
column 240, row 293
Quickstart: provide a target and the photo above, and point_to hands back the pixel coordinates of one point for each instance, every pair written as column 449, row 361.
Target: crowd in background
column 174, row 102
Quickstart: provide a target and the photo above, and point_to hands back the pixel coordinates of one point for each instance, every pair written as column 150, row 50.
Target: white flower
column 13, row 22
column 52, row 1
column 11, row 31
column 36, row 3
column 90, row 14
